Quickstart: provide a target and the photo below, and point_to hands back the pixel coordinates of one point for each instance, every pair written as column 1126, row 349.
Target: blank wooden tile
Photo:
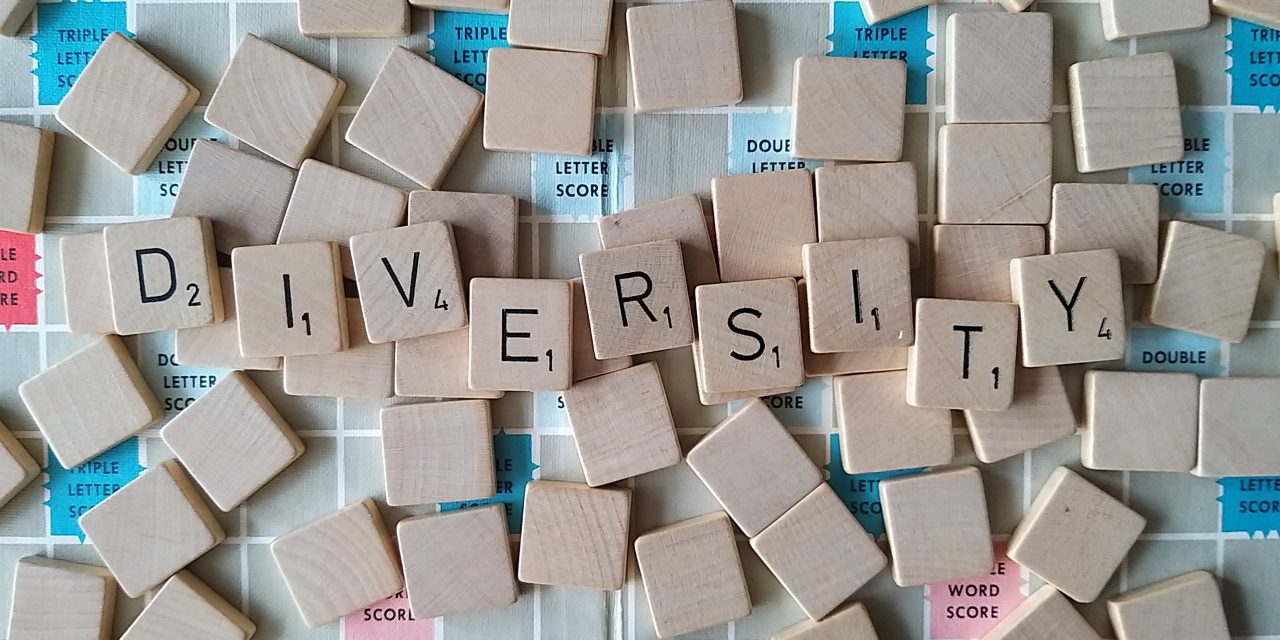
column 1140, row 421
column 163, row 275
column 880, row 10
column 338, row 564
column 1237, row 433
column 86, row 292
column 937, row 526
column 585, row 363
column 185, row 607
column 622, row 424
column 1259, row 11
column 353, row 18
column 60, row 599
column 456, row 562
column 1185, row 606
column 754, row 467
column 362, row 370
column 749, row 335
column 409, row 280
column 999, row 67
column 1125, row 112
column 859, row 201
column 27, row 154
column 437, row 452
column 664, row 75
column 232, row 440
column 289, row 299
column 971, row 262
column 964, row 355
column 829, row 364
column 126, row 104
column 13, row 15
column 1041, row 413
column 762, row 221
column 848, row 108
column 692, row 575
column 995, row 173
column 1208, row 282
column 540, row 101
column 435, row 366
column 819, row 553
column 1134, row 18
column 574, row 535
column 849, row 623
column 521, row 334
column 477, row 6
column 1074, row 535
column 275, row 101
column 1124, row 217
column 564, row 25
column 17, row 467
column 415, row 117
column 66, row 401
column 637, row 299
column 151, row 528
column 1044, row 615
column 1071, row 307
column 218, row 345
column 244, row 195
column 679, row 218
column 859, row 294
column 484, row 228
column 879, row 431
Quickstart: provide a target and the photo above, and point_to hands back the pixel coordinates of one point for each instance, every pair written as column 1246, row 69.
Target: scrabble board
column 1229, row 80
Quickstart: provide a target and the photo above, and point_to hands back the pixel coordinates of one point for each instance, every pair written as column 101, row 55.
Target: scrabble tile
column 819, row 552
column 1259, row 11
column 573, row 535
column 389, row 266
column 477, row 6
column 664, row 75
column 1071, row 307
column 692, row 575
column 1237, row 436
column 484, row 228
column 14, row 14
column 849, row 623
column 1124, row 217
column 971, row 262
column 859, row 201
column 1125, row 112
column 66, row 401
column 999, row 67
column 232, row 440
column 585, row 363
column 86, row 292
column 435, row 366
column 289, row 299
column 457, row 562
column 753, row 467
column 163, row 275
column 185, row 607
column 248, row 214
column 880, row 10
column 964, row 355
column 60, row 599
column 17, row 467
column 275, row 101
column 28, row 156
column 1046, row 614
column 622, row 424
column 362, row 370
column 1140, row 421
column 415, row 117
column 565, row 25
column 995, row 173
column 338, row 564
column 762, row 220
column 1134, row 18
column 218, row 345
column 848, row 108
column 1187, row 606
column 333, row 204
column 521, row 334
column 637, row 299
column 1208, row 282
column 151, row 528
column 834, row 364
column 126, row 103
column 353, row 18
column 437, row 452
column 540, row 101
column 679, row 218
column 937, row 526
column 859, row 294
column 749, row 335
column 879, row 431
column 1074, row 535
column 1041, row 413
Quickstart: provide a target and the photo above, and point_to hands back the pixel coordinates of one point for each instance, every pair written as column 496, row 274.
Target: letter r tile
column 637, row 299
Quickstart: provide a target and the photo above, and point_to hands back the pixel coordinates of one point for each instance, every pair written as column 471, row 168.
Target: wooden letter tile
column 762, row 221
column 622, row 424
column 362, row 370
column 1237, row 430
column 664, row 74
column 848, row 108
column 1259, row 11
column 1041, row 413
column 1125, row 112
column 999, row 67
column 390, row 265
column 692, row 575
column 66, row 401
column 244, row 195
column 185, row 607
column 835, row 364
column 880, row 10
column 1124, row 217
column 1208, row 282
column 1046, row 614
column 126, row 103
column 353, row 18
column 1140, row 421
column 574, row 535
column 457, row 562
column 86, row 291
column 859, row 201
column 995, row 173
column 437, row 452
column 937, row 525
column 1072, row 307
column 17, row 467
column 879, row 431
column 484, row 228
column 1133, row 18
column 749, row 335
column 152, row 528
column 289, row 299
column 679, row 218
column 859, row 294
column 163, row 275
column 849, row 623
column 1074, row 535
column 60, row 599
column 637, row 299
column 521, row 334
column 540, row 102
column 564, row 25
column 218, row 345
column 13, row 15
column 585, row 363
column 27, row 155
column 971, row 262
column 232, row 440
column 436, row 366
column 964, row 355
column 1186, row 606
